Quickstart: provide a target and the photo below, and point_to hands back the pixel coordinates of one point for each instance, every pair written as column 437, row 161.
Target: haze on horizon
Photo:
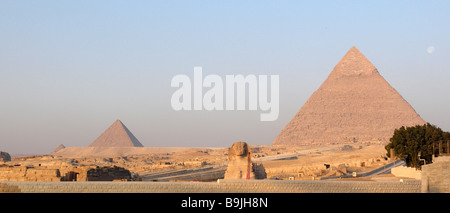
column 68, row 70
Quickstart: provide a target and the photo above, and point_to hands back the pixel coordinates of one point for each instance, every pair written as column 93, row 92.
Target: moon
column 430, row 49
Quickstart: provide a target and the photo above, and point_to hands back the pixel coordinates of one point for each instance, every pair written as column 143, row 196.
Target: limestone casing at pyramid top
column 353, row 63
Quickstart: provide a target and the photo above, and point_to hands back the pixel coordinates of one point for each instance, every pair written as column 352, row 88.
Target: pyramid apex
column 118, row 122
column 355, row 51
column 354, row 63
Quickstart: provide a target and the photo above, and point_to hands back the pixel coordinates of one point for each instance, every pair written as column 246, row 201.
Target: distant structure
column 117, row 135
column 61, row 146
column 4, row 157
column 355, row 103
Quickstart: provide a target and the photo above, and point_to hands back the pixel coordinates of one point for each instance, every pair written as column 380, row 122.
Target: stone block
column 436, row 176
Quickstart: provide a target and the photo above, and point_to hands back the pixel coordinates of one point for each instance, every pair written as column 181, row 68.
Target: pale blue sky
column 69, row 69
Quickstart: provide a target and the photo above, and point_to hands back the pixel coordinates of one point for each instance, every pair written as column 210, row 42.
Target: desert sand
column 280, row 162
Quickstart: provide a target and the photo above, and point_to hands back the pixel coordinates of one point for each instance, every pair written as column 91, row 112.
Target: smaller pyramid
column 117, row 135
column 61, row 146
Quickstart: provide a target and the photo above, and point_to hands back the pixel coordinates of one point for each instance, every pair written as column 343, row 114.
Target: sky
column 69, row 69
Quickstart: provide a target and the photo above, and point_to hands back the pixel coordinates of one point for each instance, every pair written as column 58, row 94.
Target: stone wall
column 26, row 173
column 221, row 186
column 65, row 173
column 436, row 176
column 407, row 172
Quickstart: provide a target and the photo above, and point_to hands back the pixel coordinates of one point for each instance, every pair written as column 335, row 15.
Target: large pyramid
column 355, row 103
column 117, row 135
